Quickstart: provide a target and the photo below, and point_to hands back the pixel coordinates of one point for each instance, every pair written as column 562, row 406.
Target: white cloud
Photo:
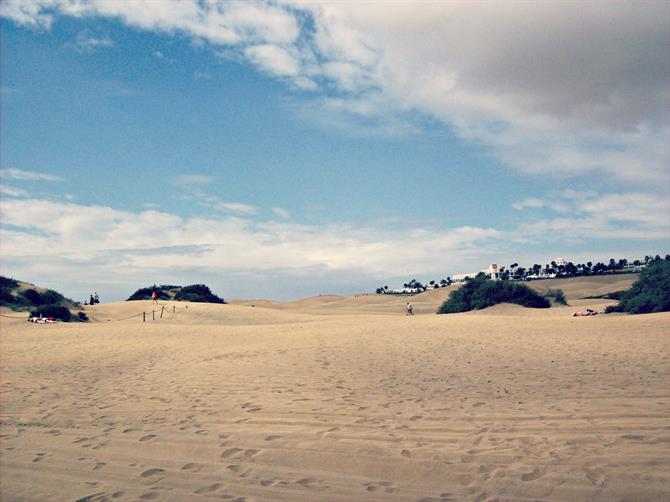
column 588, row 215
column 236, row 207
column 282, row 213
column 72, row 246
column 530, row 202
column 567, row 90
column 12, row 191
column 63, row 240
column 23, row 175
column 273, row 59
column 85, row 42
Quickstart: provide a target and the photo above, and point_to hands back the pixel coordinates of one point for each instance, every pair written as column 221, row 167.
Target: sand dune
column 336, row 399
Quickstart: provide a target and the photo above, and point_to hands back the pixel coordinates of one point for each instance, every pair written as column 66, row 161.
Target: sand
column 334, row 398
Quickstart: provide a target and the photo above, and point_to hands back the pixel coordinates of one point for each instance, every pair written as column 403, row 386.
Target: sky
column 286, row 149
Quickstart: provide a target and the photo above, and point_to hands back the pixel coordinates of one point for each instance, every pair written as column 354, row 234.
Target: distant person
column 96, row 298
column 154, row 297
column 91, row 300
column 410, row 309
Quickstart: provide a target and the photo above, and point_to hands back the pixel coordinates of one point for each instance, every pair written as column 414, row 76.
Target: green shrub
column 8, row 283
column 6, row 297
column 482, row 292
column 197, row 293
column 650, row 293
column 33, row 297
column 613, row 308
column 51, row 297
column 557, row 295
column 145, row 293
column 56, row 311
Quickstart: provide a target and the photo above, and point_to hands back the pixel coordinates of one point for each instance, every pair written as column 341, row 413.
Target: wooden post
column 144, row 317
column 162, row 309
column 174, row 309
column 153, row 315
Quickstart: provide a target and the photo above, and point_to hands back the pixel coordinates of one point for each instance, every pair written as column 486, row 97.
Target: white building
column 492, row 271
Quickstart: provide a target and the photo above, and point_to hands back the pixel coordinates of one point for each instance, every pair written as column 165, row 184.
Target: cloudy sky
column 283, row 149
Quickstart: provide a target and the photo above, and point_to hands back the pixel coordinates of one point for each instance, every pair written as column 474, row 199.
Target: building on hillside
column 492, row 271
column 560, row 261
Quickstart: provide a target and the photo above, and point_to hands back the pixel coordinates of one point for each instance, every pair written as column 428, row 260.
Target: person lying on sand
column 587, row 312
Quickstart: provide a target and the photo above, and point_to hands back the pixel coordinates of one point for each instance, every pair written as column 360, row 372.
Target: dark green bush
column 56, row 311
column 51, row 297
column 482, row 292
column 33, row 297
column 650, row 293
column 6, row 297
column 197, row 293
column 557, row 295
column 8, row 283
column 145, row 293
column 613, row 308
column 192, row 293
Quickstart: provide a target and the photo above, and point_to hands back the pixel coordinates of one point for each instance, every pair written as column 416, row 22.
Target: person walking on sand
column 410, row 309
column 96, row 298
column 154, row 297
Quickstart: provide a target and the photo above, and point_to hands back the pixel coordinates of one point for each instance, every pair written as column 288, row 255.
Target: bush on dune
column 482, row 292
column 557, row 295
column 56, row 311
column 197, row 293
column 193, row 293
column 650, row 293
column 145, row 293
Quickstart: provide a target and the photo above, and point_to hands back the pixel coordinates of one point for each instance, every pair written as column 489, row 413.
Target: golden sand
column 335, row 398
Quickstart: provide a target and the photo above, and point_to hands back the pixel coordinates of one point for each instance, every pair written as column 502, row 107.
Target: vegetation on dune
column 48, row 303
column 650, row 293
column 193, row 293
column 55, row 311
column 197, row 293
column 482, row 292
column 163, row 292
column 556, row 295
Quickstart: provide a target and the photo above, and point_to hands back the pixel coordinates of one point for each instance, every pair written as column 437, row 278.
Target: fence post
column 144, row 317
column 153, row 315
column 174, row 309
column 162, row 309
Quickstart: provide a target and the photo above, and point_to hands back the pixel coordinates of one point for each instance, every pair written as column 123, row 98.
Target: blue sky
column 282, row 150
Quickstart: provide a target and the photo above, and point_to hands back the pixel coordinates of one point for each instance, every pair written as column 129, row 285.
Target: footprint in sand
column 272, row 438
column 99, row 465
column 406, row 453
column 208, row 489
column 148, row 437
column 191, row 466
column 415, row 418
column 152, row 472
column 149, row 495
column 40, row 457
column 596, row 475
column 373, row 487
column 230, row 452
column 534, row 474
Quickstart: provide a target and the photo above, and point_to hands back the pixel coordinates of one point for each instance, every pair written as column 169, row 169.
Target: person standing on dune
column 410, row 309
column 154, row 297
